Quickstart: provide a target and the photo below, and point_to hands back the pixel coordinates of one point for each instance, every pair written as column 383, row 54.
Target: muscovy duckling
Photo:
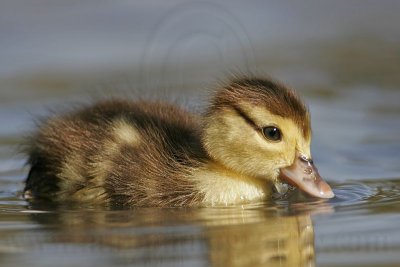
column 255, row 133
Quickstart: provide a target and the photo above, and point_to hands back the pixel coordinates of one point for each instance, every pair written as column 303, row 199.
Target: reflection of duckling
column 255, row 133
column 274, row 241
column 235, row 236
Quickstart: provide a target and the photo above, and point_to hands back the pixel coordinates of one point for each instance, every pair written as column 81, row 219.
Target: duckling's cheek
column 278, row 154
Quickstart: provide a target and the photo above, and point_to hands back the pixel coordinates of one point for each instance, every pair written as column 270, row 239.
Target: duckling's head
column 262, row 129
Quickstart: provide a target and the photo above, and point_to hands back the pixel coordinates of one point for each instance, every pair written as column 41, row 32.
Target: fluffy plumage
column 156, row 154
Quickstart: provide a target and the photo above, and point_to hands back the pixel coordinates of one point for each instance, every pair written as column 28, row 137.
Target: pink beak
column 304, row 175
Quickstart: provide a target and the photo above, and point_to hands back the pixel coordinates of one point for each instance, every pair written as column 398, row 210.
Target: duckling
column 254, row 135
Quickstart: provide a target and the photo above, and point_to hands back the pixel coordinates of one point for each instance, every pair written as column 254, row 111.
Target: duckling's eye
column 272, row 133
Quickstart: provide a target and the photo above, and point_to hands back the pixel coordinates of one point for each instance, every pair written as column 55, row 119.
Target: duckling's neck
column 221, row 186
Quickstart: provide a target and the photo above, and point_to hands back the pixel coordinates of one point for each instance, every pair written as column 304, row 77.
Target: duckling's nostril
column 303, row 158
column 303, row 174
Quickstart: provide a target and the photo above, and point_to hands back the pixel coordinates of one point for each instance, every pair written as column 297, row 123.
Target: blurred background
column 343, row 56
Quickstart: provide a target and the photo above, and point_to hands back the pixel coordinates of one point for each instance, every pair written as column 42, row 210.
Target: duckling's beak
column 304, row 175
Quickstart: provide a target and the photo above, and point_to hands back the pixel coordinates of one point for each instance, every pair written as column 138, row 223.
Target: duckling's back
column 130, row 153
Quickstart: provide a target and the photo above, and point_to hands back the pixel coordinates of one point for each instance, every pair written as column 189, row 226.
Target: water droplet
column 308, row 170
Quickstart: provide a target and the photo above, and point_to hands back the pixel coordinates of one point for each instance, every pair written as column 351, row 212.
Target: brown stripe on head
column 275, row 97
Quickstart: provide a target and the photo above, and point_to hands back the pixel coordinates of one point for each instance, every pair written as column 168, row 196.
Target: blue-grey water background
column 342, row 56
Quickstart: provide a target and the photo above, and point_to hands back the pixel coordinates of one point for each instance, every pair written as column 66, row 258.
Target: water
column 343, row 58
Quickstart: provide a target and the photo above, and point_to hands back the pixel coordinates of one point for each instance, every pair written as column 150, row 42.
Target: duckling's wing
column 136, row 153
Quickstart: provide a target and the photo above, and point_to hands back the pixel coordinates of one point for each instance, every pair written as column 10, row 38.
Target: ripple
column 352, row 193
column 354, row 196
column 374, row 195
